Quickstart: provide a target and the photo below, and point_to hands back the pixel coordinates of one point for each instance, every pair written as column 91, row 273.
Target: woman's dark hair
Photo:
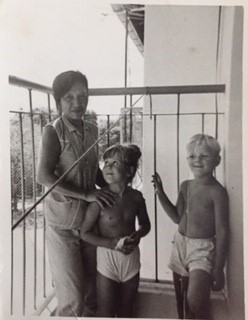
column 129, row 154
column 64, row 81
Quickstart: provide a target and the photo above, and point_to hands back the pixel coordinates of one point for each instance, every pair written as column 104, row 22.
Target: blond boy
column 201, row 212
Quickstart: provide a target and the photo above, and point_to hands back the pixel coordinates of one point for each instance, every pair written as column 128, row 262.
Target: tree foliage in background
column 40, row 119
column 114, row 136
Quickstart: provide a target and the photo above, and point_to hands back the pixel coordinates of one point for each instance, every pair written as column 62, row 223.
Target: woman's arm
column 90, row 221
column 48, row 158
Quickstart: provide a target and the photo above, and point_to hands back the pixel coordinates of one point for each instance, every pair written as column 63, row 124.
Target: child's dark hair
column 129, row 154
column 64, row 81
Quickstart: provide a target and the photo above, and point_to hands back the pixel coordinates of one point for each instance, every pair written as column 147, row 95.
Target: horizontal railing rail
column 151, row 90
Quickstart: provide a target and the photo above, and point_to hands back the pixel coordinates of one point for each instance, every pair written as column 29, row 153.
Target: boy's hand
column 157, row 183
column 218, row 280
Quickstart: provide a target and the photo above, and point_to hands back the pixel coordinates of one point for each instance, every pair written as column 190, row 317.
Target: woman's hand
column 104, row 198
column 157, row 183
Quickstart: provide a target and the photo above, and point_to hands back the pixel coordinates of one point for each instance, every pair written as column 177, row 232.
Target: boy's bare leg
column 177, row 280
column 107, row 292
column 198, row 296
column 178, row 292
column 127, row 294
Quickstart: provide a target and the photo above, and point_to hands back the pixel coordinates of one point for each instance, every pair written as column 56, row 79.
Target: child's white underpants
column 116, row 265
column 189, row 254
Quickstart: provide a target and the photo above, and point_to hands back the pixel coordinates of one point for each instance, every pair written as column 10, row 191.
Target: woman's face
column 74, row 103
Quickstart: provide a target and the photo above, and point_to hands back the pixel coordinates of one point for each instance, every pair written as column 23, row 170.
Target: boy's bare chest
column 199, row 203
column 198, row 198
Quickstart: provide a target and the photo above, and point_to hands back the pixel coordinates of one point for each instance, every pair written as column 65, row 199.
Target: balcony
column 31, row 285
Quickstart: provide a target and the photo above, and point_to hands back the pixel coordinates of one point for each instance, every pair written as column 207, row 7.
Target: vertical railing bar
column 23, row 212
column 203, row 122
column 216, row 123
column 12, row 267
column 216, row 117
column 178, row 138
column 125, row 74
column 49, row 107
column 131, row 119
column 125, row 124
column 108, row 124
column 44, row 249
column 44, row 224
column 217, row 63
column 34, row 196
column 155, row 198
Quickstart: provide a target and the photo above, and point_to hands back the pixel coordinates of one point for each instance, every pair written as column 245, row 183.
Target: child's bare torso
column 197, row 212
column 119, row 220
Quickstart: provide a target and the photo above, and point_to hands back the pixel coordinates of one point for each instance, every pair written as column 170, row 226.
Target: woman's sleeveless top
column 60, row 210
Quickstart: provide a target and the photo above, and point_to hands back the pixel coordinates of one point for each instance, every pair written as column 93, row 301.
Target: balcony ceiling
column 136, row 16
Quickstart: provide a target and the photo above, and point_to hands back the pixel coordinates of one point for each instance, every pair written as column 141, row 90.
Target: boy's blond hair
column 210, row 141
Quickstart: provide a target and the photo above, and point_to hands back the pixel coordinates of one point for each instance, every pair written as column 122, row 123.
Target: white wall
column 180, row 49
column 230, row 72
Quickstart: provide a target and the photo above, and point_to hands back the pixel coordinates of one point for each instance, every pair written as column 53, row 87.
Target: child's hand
column 125, row 245
column 134, row 238
column 218, row 280
column 157, row 183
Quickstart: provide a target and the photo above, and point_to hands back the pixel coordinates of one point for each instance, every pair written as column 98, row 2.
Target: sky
column 48, row 37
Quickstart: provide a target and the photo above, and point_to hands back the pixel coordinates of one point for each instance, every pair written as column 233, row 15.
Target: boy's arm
column 221, row 230
column 144, row 222
column 90, row 221
column 168, row 207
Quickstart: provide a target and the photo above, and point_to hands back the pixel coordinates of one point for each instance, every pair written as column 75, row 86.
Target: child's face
column 201, row 159
column 114, row 170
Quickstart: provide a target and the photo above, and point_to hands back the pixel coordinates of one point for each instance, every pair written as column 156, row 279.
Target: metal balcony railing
column 27, row 195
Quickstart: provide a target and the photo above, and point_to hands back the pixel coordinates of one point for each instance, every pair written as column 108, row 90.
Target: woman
column 72, row 261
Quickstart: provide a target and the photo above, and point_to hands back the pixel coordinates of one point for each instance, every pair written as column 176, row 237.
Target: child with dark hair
column 117, row 240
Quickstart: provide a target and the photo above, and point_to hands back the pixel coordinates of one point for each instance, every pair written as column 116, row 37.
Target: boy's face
column 202, row 161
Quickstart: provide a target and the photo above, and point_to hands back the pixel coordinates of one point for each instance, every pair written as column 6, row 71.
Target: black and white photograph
column 123, row 145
